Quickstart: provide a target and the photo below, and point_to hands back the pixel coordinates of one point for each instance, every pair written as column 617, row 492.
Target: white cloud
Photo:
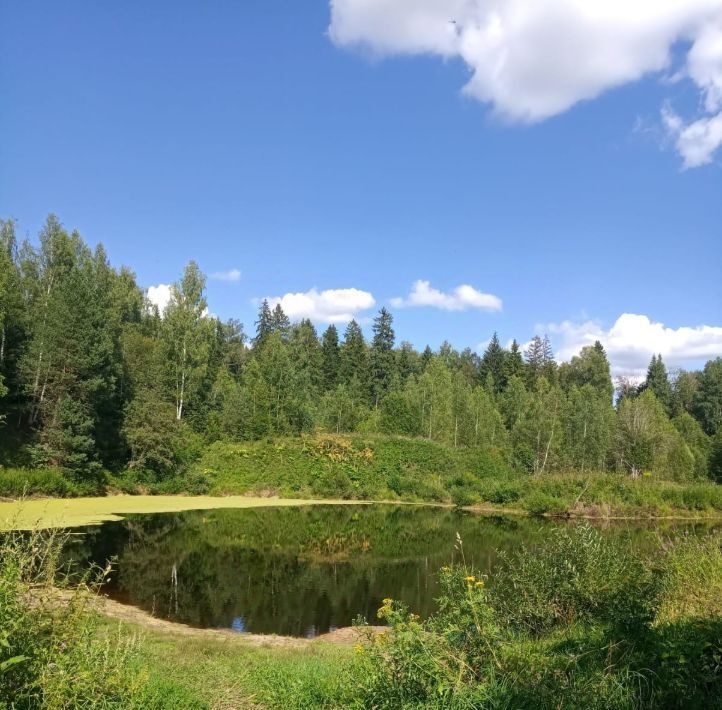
column 337, row 305
column 159, row 296
column 633, row 339
column 460, row 299
column 697, row 141
column 230, row 275
column 531, row 60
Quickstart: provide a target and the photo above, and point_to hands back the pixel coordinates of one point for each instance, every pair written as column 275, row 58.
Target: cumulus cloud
column 460, row 299
column 230, row 275
column 159, row 296
column 336, row 305
column 531, row 60
column 633, row 339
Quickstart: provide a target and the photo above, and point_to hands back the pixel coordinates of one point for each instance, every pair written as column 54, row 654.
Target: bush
column 572, row 623
column 55, row 652
column 50, row 655
column 19, row 482
column 539, row 503
column 501, row 492
column 579, row 575
column 461, row 497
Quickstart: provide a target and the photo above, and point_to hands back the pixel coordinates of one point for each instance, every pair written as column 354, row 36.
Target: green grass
column 19, row 482
column 581, row 620
column 369, row 467
column 233, row 674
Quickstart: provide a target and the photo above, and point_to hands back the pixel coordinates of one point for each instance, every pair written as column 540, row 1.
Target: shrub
column 55, row 650
column 19, row 482
column 539, row 503
column 572, row 623
column 443, row 662
column 461, row 497
column 50, row 653
column 501, row 492
column 578, row 575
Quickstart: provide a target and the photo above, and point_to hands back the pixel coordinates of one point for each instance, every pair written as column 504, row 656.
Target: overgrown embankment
column 368, row 467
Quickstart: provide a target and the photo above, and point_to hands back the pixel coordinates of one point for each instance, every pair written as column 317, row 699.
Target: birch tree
column 187, row 336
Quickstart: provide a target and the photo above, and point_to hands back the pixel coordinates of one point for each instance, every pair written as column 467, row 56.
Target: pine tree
column 658, row 382
column 281, row 323
column 492, row 364
column 354, row 360
column 264, row 324
column 382, row 355
column 513, row 363
column 426, row 356
column 331, row 358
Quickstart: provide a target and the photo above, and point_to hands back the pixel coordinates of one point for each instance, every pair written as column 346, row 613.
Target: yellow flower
column 470, row 579
column 388, row 602
column 358, row 648
column 479, row 584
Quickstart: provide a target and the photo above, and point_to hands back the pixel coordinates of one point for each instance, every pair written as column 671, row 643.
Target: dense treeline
column 94, row 378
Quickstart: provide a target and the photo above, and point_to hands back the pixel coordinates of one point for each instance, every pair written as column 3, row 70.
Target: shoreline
column 53, row 512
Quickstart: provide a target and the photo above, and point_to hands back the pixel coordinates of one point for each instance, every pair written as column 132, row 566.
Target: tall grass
column 55, row 652
column 580, row 622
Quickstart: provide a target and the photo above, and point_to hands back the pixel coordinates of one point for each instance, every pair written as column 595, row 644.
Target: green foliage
column 578, row 576
column 658, row 383
column 20, row 482
column 708, row 397
column 590, row 368
column 541, row 503
column 580, row 620
column 90, row 372
column 53, row 652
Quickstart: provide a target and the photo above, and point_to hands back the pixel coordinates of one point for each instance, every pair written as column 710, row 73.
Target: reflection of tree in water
column 292, row 570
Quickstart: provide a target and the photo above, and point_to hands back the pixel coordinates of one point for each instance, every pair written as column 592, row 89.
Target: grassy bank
column 357, row 467
column 606, row 628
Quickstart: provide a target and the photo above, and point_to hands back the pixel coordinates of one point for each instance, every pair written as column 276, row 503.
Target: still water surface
column 296, row 571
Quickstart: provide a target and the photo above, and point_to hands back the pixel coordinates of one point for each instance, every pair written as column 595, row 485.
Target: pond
column 298, row 571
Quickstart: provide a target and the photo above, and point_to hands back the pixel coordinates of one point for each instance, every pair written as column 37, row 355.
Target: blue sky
column 251, row 136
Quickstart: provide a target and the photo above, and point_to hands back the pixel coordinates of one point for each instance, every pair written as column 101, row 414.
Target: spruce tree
column 426, row 356
column 281, row 323
column 354, row 359
column 406, row 362
column 492, row 364
column 264, row 324
column 535, row 358
column 707, row 406
column 382, row 355
column 307, row 358
column 513, row 363
column 331, row 358
column 658, row 382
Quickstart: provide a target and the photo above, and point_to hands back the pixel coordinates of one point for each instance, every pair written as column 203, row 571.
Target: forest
column 95, row 381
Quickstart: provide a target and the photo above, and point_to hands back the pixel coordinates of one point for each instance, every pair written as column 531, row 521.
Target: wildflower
column 479, row 584
column 470, row 579
column 385, row 609
column 358, row 648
